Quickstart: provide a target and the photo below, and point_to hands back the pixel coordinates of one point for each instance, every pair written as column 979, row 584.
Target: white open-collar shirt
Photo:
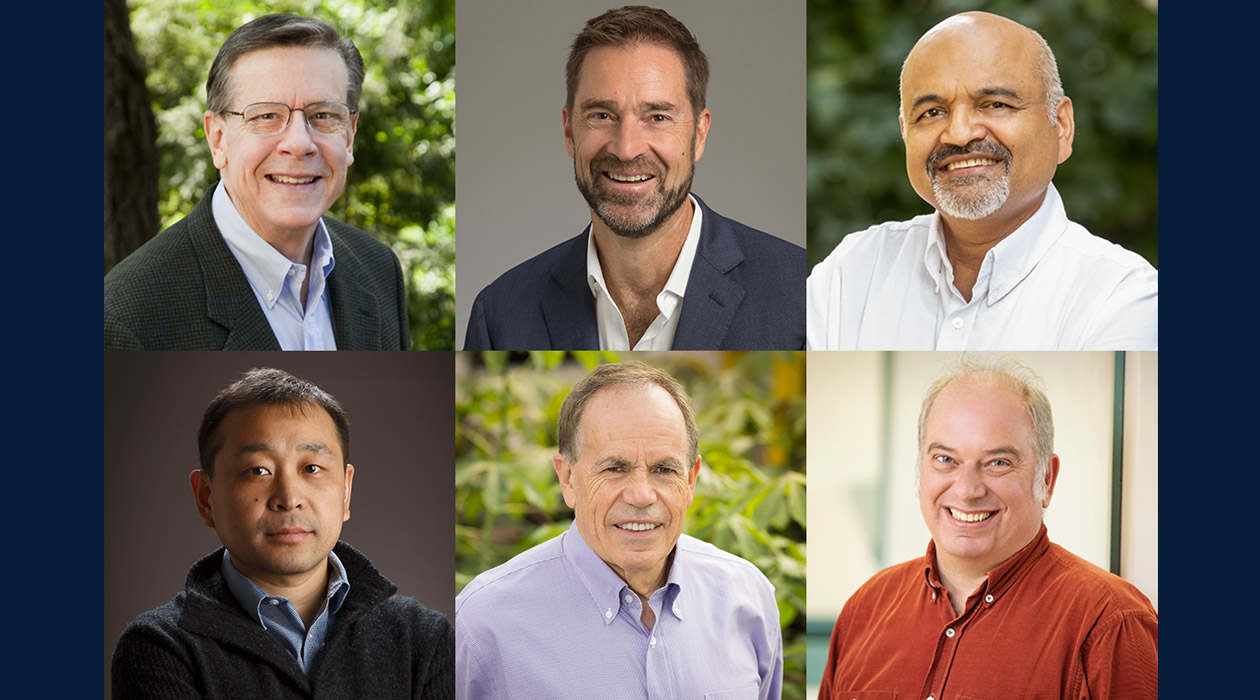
column 659, row 335
column 1049, row 285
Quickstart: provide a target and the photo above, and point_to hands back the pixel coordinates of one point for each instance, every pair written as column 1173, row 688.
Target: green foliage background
column 402, row 185
column 1108, row 59
column 750, row 495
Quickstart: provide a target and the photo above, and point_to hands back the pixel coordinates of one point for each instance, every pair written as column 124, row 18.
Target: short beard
column 971, row 197
column 633, row 224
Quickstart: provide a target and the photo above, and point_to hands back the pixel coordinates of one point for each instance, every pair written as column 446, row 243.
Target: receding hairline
column 1044, row 66
column 634, row 386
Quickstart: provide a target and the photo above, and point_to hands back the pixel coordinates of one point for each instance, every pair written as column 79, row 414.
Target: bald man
column 998, row 265
column 994, row 609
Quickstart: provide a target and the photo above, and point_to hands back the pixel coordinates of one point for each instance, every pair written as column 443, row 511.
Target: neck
column 636, row 269
column 959, row 583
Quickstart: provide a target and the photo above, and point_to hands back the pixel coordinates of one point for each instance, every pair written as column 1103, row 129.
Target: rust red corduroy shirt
column 1044, row 624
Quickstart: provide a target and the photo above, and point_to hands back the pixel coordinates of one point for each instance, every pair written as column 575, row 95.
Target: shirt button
column 949, row 632
column 607, row 614
column 988, row 598
column 270, row 295
column 958, row 323
column 275, row 601
column 629, row 598
column 290, row 272
column 652, row 642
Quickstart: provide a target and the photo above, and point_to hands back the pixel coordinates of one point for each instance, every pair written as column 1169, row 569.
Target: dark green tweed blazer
column 184, row 290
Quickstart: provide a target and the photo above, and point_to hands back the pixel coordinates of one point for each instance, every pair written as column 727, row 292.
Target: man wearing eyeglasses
column 256, row 266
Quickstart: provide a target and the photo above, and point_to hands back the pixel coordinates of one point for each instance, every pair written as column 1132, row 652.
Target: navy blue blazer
column 746, row 292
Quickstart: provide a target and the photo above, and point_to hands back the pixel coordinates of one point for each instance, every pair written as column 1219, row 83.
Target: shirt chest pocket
column 749, row 693
column 864, row 695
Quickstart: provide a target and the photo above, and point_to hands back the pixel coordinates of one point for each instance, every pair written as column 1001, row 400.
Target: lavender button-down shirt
column 556, row 622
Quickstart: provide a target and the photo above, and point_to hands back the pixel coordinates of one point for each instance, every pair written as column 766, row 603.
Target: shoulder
column 1093, row 586
column 863, row 249
column 523, row 281
column 409, row 615
column 720, row 565
column 760, row 249
column 169, row 253
column 530, row 572
column 359, row 248
column 1094, row 255
column 159, row 287
column 153, row 637
column 887, row 588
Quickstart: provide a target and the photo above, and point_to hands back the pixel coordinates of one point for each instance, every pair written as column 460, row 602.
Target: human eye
column 313, row 469
column 257, row 471
column 263, row 113
column 943, row 460
column 930, row 113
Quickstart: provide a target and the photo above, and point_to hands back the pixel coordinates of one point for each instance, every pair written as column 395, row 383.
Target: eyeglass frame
column 351, row 112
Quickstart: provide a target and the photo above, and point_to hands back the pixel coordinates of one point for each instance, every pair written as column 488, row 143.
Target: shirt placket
column 947, row 646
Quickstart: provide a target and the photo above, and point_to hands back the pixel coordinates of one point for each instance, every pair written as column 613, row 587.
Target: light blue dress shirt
column 556, row 622
column 278, row 616
column 277, row 281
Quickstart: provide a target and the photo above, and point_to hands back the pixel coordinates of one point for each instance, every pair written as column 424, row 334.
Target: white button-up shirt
column 1049, row 285
column 659, row 335
column 277, row 281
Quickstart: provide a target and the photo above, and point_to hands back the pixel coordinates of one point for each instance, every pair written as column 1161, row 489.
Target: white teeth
column 285, row 179
column 628, row 178
column 969, row 517
column 637, row 527
column 970, row 163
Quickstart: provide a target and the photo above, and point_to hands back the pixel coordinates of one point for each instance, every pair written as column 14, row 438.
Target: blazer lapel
column 355, row 321
column 568, row 306
column 711, row 299
column 230, row 301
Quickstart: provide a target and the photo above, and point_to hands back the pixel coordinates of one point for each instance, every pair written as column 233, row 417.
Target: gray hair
column 635, row 374
column 273, row 31
column 1025, row 383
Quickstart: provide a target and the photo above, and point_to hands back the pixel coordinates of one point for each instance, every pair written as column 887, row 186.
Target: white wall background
column 862, row 440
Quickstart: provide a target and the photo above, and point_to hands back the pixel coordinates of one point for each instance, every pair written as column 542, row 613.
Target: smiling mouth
column 970, row 163
column 970, row 517
column 637, row 527
column 286, row 180
column 617, row 177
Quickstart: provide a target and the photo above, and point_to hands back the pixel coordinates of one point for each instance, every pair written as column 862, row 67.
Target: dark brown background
column 402, row 430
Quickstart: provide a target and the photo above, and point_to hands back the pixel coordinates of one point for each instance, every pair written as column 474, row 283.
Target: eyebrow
column 1000, row 450
column 643, row 106
column 984, row 92
column 260, row 447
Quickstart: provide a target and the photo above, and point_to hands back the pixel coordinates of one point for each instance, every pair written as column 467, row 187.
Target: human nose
column 627, row 142
column 639, row 492
column 285, row 493
column 969, row 484
column 964, row 126
column 297, row 137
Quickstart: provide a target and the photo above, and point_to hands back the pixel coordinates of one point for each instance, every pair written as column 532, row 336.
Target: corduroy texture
column 1045, row 624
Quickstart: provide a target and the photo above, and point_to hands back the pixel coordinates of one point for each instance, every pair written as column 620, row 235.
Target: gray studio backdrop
column 514, row 185
column 401, row 423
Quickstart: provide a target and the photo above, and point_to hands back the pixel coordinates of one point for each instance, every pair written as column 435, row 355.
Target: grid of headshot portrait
column 702, row 242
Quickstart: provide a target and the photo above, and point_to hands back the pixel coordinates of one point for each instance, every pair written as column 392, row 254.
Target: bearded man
column 998, row 266
column 656, row 269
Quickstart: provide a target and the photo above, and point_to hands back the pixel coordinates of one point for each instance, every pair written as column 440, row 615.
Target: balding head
column 968, row 28
column 984, row 121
